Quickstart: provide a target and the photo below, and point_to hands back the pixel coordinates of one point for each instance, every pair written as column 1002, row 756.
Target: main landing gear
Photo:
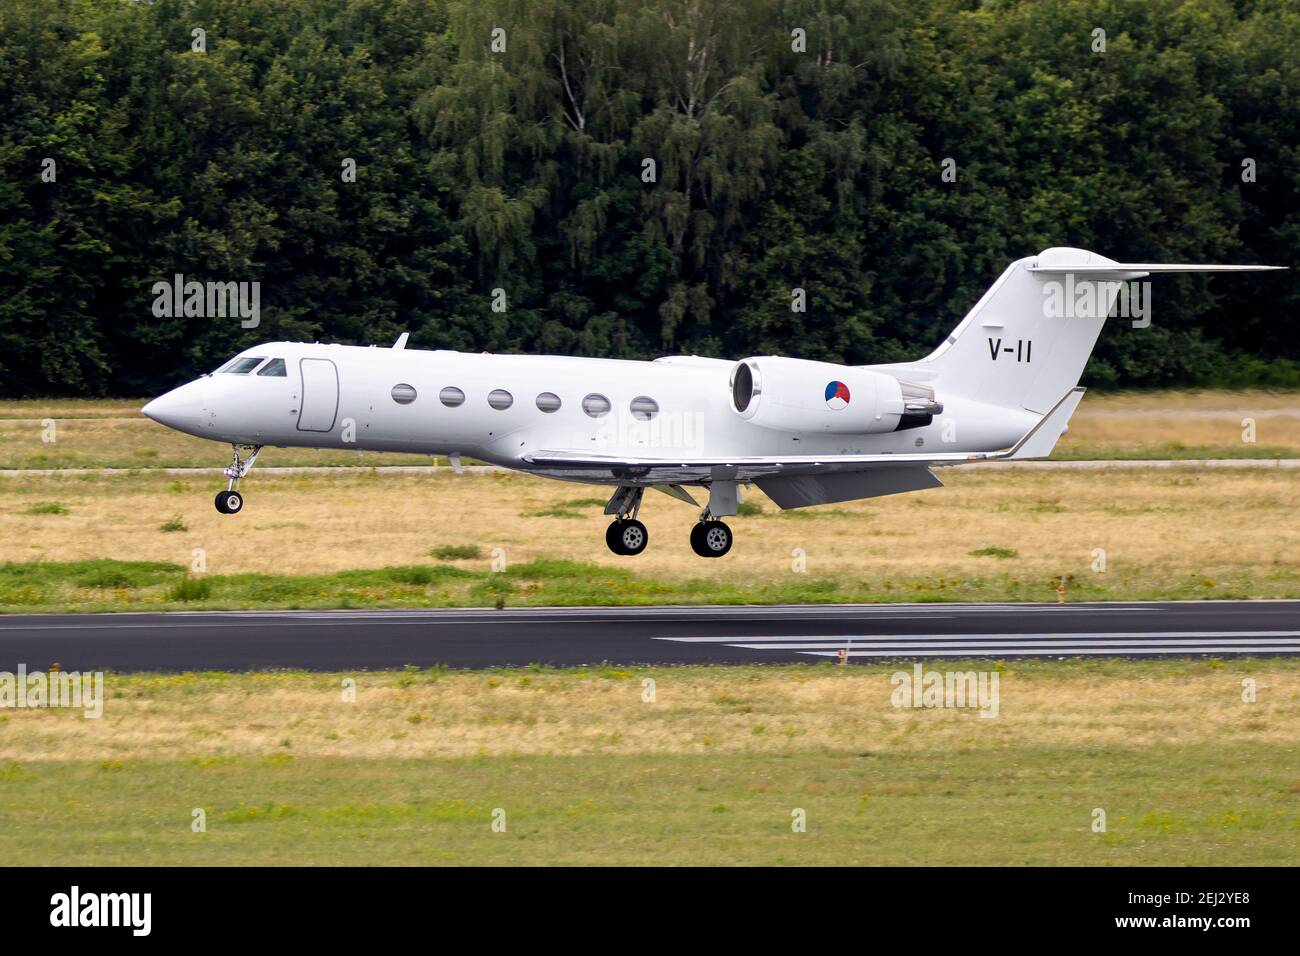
column 626, row 535
column 230, row 501
column 710, row 538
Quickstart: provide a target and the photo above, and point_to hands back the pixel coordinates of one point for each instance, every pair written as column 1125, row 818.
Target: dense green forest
column 795, row 144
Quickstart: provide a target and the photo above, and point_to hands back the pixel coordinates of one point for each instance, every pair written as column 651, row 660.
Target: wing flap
column 802, row 491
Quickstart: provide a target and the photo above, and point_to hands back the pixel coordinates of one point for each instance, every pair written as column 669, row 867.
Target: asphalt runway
column 353, row 640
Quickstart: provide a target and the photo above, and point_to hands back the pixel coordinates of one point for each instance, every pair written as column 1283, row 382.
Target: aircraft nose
column 181, row 408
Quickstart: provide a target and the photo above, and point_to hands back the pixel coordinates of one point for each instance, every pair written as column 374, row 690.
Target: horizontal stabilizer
column 1114, row 267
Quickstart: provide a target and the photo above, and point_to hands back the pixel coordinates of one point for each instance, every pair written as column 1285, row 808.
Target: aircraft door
column 320, row 395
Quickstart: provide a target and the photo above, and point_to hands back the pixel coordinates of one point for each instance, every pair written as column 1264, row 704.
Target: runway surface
column 349, row 640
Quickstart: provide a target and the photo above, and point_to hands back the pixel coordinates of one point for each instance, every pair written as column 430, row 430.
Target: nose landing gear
column 230, row 501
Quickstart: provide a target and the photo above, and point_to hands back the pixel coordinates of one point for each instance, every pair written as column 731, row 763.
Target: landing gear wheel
column 711, row 539
column 627, row 536
column 230, row 502
column 612, row 537
column 632, row 536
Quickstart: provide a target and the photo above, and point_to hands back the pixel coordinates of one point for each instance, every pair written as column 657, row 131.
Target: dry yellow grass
column 696, row 711
column 87, row 439
column 1153, row 525
column 1123, row 423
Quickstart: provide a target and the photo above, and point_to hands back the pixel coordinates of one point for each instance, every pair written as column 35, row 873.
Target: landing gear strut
column 710, row 538
column 626, row 535
column 230, row 501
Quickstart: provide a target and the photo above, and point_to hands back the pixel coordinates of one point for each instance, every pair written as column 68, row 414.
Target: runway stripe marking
column 1083, row 651
column 1031, row 640
column 1091, row 637
column 1035, row 645
column 1038, row 645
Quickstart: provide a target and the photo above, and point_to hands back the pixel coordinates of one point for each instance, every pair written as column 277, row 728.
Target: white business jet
column 1002, row 386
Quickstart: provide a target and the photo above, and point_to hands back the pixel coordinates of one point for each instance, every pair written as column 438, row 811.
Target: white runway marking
column 993, row 645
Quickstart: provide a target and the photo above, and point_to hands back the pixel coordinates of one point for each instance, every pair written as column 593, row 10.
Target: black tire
column 697, row 539
column 221, row 502
column 632, row 537
column 711, row 539
column 613, row 535
column 230, row 502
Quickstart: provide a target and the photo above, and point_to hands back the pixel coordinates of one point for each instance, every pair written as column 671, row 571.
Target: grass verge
column 106, row 585
column 710, row 771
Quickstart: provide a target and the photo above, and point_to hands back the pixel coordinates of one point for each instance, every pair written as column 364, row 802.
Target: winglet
column 1039, row 441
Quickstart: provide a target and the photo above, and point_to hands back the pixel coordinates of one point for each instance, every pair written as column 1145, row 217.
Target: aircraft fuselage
column 503, row 408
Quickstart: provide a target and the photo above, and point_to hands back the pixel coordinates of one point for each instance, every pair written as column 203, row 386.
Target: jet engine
column 796, row 395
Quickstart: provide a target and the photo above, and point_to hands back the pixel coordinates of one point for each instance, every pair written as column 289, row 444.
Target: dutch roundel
column 837, row 395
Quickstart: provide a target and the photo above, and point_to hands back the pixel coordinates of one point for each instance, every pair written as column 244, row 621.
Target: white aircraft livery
column 1002, row 386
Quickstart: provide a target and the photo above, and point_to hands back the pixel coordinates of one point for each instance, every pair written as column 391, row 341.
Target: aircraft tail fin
column 1027, row 340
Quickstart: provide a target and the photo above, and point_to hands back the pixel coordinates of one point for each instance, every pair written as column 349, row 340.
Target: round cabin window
column 403, row 394
column 548, row 402
column 451, row 396
column 644, row 408
column 500, row 399
column 596, row 405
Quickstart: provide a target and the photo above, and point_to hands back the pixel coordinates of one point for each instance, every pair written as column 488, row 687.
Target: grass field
column 1154, row 425
column 709, row 772
column 360, row 538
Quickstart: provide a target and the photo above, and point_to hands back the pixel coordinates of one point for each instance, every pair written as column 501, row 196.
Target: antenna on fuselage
column 401, row 340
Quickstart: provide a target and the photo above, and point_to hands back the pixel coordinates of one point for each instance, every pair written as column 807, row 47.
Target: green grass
column 46, row 508
column 1173, row 805
column 174, row 523
column 190, row 589
column 109, row 585
column 993, row 551
column 456, row 552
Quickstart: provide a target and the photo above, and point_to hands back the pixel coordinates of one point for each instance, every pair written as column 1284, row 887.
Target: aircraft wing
column 1038, row 442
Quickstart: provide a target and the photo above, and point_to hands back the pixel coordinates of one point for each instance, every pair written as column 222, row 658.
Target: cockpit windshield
column 242, row 366
column 275, row 367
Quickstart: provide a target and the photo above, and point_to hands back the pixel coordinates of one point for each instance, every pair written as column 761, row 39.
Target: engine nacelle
column 795, row 395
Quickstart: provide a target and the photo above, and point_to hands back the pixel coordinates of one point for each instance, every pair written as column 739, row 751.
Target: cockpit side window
column 274, row 367
column 244, row 365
